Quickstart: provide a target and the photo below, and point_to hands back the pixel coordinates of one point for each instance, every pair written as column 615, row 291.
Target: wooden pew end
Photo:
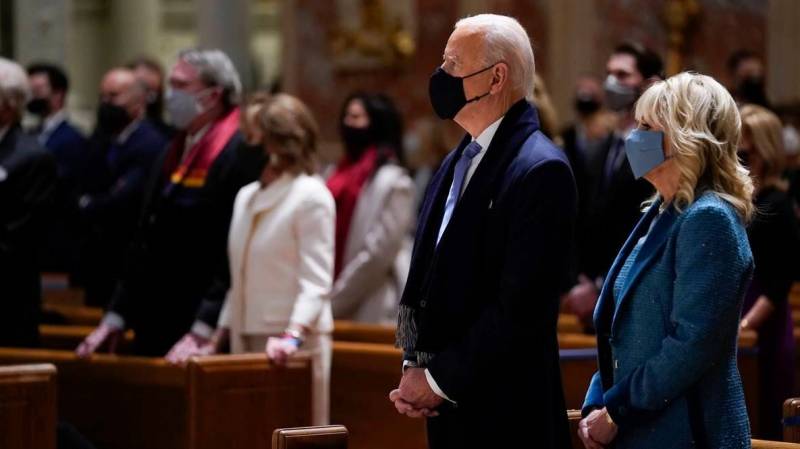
column 320, row 437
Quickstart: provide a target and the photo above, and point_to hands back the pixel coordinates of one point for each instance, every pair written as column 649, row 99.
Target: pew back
column 28, row 407
column 133, row 402
column 319, row 437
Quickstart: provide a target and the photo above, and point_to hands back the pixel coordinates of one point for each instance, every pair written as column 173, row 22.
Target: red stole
column 345, row 184
column 193, row 170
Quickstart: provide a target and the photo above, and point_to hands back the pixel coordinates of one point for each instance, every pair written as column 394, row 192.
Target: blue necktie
column 462, row 166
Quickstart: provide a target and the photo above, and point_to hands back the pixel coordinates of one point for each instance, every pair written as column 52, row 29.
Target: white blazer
column 378, row 250
column 280, row 248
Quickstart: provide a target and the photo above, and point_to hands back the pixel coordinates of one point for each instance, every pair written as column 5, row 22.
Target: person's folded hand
column 104, row 334
column 190, row 345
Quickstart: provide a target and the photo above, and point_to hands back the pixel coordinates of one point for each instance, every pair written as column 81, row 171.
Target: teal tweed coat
column 667, row 353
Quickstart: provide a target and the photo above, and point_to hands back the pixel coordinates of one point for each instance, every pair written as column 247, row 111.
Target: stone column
column 225, row 24
column 40, row 27
column 571, row 51
column 136, row 30
column 783, row 65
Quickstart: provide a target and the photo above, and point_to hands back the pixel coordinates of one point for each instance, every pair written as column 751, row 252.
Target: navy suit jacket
column 27, row 186
column 485, row 300
column 121, row 175
column 69, row 147
column 71, row 153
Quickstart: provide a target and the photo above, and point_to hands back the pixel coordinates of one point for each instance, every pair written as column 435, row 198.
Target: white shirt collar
column 192, row 139
column 485, row 138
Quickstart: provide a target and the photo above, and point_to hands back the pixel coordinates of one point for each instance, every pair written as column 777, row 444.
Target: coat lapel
column 518, row 124
column 264, row 200
column 431, row 214
column 606, row 298
column 651, row 248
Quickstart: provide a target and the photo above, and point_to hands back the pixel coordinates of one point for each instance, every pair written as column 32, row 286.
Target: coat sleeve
column 367, row 270
column 36, row 178
column 314, row 230
column 594, row 395
column 710, row 274
column 536, row 260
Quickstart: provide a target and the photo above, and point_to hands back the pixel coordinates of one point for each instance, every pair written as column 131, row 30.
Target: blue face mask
column 645, row 151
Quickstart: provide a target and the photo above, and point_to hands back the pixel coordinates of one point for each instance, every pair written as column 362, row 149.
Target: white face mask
column 183, row 107
column 619, row 97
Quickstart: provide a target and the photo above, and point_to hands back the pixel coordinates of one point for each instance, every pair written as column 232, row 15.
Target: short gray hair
column 216, row 69
column 14, row 88
column 506, row 41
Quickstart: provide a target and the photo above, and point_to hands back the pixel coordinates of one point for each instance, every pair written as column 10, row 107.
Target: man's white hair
column 14, row 88
column 216, row 69
column 506, row 41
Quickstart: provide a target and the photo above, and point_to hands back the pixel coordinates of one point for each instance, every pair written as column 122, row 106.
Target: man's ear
column 499, row 77
column 650, row 81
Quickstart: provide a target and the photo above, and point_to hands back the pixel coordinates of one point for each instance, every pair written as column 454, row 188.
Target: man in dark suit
column 612, row 201
column 149, row 72
column 27, row 185
column 49, row 89
column 125, row 148
column 478, row 315
column 177, row 270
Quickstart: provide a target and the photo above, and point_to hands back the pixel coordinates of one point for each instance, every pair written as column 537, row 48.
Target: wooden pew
column 28, row 407
column 362, row 376
column 319, row 437
column 363, row 332
column 794, row 296
column 791, row 420
column 765, row 444
column 66, row 337
column 220, row 401
column 71, row 315
column 56, row 290
column 380, row 333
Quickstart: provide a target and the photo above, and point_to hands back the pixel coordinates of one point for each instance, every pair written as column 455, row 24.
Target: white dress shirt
column 3, row 132
column 484, row 140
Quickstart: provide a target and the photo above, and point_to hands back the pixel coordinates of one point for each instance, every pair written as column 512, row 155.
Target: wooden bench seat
column 318, row 437
column 28, row 407
column 71, row 315
column 122, row 402
column 379, row 333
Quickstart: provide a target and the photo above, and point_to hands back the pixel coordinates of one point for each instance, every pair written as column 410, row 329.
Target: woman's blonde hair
column 765, row 132
column 702, row 124
column 292, row 131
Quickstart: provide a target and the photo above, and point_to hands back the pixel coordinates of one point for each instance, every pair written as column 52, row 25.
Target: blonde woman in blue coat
column 668, row 314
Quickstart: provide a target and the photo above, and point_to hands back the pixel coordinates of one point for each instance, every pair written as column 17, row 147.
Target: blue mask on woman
column 645, row 151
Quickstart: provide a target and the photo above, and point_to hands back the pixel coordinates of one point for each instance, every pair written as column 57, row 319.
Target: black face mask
column 586, row 104
column 155, row 106
column 752, row 90
column 112, row 119
column 447, row 92
column 355, row 140
column 39, row 106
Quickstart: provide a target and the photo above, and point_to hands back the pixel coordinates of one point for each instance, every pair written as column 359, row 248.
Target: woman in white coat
column 374, row 212
column 281, row 253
